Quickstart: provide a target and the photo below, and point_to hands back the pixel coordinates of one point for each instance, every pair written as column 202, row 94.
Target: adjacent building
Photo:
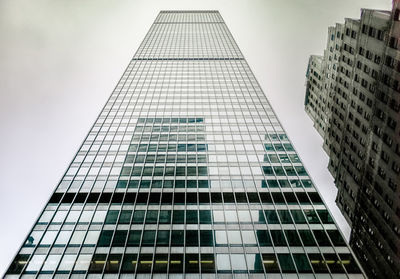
column 186, row 173
column 353, row 97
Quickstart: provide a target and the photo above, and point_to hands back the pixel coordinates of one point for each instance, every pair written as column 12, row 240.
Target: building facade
column 353, row 95
column 186, row 173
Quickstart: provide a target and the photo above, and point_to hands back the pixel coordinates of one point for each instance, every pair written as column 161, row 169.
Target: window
column 18, row 264
column 292, row 238
column 97, row 263
column 177, row 238
column 278, row 238
column 272, row 218
column 223, row 262
column 148, row 238
column 221, row 238
column 83, row 262
column 302, row 263
column 238, row 262
column 270, row 263
column 119, row 238
column 286, row 263
column 90, row 240
column 129, row 263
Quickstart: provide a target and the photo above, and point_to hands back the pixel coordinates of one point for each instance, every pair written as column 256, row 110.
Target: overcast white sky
column 59, row 61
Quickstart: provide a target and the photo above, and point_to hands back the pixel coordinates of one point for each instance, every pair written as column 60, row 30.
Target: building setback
column 186, row 172
column 353, row 97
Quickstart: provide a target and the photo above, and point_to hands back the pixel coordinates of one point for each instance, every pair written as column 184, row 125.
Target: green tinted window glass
column 148, row 238
column 192, row 238
column 178, row 217
column 279, row 171
column 126, row 171
column 293, row 238
column 257, row 216
column 192, row 263
column 302, row 263
column 272, row 218
column 152, row 217
column 203, row 183
column 205, row 216
column 163, row 238
column 180, row 184
column 105, row 238
column 298, row 216
column 165, row 217
column 113, row 263
column 206, row 238
column 311, row 216
column 318, row 263
column 270, row 263
column 160, row 263
column 307, row 238
column 122, row 184
column 133, row 184
column 180, row 171
column 326, row 218
column 285, row 217
column 119, row 238
column 278, row 238
column 169, row 171
column 301, row 171
column 156, row 184
column 176, row 263
column 112, row 216
column 137, row 171
column 203, row 171
column 267, row 170
column 147, row 171
column 134, row 238
column 129, row 263
column 177, row 238
column 138, row 217
column 125, row 217
column 336, row 238
column 158, row 171
column 263, row 238
column 286, row 263
column 145, row 263
column 191, row 217
column 321, row 238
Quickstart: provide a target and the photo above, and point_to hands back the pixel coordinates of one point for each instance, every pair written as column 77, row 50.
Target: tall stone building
column 353, row 97
column 186, row 173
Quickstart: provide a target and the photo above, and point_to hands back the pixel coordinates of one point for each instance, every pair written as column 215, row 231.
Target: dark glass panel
column 286, row 263
column 302, row 263
column 105, row 238
column 177, row 238
column 119, row 238
column 97, row 263
column 134, row 238
column 270, row 263
column 293, row 238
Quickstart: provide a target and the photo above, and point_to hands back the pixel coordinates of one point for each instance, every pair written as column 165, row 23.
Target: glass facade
column 186, row 172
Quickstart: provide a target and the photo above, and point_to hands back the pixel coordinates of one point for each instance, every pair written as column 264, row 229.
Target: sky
column 60, row 60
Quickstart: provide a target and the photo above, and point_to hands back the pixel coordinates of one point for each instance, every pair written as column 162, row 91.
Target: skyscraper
column 353, row 98
column 186, row 171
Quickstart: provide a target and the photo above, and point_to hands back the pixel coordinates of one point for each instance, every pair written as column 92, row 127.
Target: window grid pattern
column 187, row 170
